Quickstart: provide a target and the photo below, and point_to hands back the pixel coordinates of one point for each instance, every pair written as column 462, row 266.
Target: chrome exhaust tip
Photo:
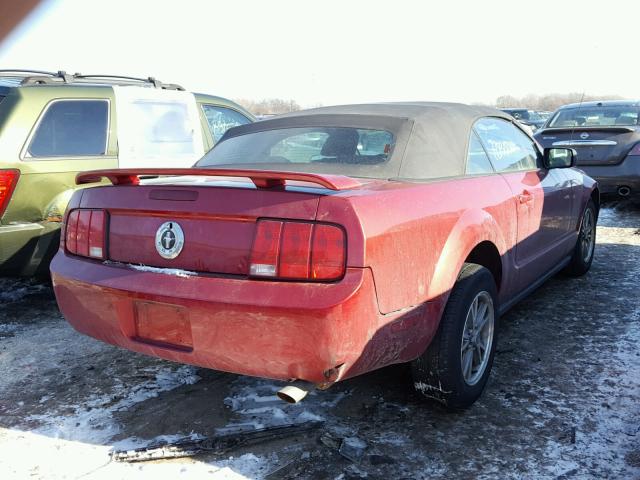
column 291, row 394
column 624, row 191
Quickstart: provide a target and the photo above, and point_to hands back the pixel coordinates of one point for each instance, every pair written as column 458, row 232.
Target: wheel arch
column 487, row 255
column 476, row 238
column 595, row 197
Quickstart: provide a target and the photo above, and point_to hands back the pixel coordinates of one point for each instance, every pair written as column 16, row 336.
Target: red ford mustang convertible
column 324, row 244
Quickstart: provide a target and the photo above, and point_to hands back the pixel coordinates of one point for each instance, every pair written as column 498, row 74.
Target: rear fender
column 473, row 227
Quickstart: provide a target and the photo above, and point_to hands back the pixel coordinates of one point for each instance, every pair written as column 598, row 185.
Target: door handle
column 525, row 197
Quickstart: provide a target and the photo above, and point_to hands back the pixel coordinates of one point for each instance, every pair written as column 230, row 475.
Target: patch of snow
column 92, row 422
column 8, row 328
column 256, row 399
column 603, row 432
column 175, row 272
column 63, row 459
column 393, row 438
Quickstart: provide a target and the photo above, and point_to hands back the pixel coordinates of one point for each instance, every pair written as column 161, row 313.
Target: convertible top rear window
column 598, row 116
column 325, row 149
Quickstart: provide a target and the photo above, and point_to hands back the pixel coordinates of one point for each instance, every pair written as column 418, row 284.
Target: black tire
column 581, row 259
column 438, row 373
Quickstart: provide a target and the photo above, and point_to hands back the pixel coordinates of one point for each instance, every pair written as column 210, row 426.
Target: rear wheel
column 585, row 246
column 455, row 367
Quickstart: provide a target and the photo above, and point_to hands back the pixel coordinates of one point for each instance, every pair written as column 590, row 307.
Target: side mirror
column 559, row 157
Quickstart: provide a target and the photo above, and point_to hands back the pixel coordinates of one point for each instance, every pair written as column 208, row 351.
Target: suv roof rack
column 156, row 83
column 21, row 70
column 42, row 77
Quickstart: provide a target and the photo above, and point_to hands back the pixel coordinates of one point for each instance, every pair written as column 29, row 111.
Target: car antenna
column 573, row 130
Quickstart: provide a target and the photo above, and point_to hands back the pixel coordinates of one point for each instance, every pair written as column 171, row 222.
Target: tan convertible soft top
column 431, row 138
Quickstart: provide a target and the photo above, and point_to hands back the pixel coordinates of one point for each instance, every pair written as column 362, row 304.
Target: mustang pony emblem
column 169, row 240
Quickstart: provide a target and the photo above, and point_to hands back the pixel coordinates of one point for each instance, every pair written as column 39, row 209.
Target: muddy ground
column 563, row 400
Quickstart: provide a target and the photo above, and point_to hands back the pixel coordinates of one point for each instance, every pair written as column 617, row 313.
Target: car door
column 543, row 198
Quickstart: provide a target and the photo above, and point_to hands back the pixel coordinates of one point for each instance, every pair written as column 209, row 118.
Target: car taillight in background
column 85, row 233
column 8, row 182
column 298, row 251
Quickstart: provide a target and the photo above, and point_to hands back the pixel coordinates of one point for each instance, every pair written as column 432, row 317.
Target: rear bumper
column 320, row 333
column 611, row 177
column 27, row 248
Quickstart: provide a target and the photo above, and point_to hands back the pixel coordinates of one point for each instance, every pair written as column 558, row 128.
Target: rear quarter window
column 71, row 128
column 477, row 159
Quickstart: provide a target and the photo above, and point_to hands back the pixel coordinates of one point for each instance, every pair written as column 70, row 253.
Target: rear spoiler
column 260, row 178
column 612, row 128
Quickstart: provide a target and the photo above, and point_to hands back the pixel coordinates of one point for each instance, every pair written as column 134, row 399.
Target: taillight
column 327, row 252
column 298, row 251
column 8, row 182
column 266, row 245
column 85, row 233
column 635, row 150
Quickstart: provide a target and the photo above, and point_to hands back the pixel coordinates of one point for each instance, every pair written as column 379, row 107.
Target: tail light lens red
column 85, row 233
column 8, row 182
column 298, row 251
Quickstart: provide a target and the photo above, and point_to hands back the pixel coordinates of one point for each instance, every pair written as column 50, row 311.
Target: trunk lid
column 594, row 145
column 217, row 217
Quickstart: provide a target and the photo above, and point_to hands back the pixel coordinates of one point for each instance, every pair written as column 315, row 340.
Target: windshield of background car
column 518, row 114
column 600, row 116
column 322, row 149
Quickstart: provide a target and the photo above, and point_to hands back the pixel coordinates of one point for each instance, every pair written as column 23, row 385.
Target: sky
column 342, row 51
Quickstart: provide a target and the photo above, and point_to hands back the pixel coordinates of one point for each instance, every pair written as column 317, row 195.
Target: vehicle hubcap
column 587, row 234
column 477, row 338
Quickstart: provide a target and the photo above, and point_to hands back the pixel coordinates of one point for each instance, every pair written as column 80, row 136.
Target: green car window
column 71, row 128
column 221, row 119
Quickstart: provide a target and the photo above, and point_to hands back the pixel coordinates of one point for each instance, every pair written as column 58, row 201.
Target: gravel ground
column 563, row 400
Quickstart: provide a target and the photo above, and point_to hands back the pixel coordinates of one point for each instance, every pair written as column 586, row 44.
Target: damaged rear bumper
column 315, row 332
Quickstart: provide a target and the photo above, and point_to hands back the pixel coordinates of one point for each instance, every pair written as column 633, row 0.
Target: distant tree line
column 269, row 106
column 549, row 102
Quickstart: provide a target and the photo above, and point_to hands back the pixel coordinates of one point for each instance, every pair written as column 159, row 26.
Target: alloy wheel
column 477, row 338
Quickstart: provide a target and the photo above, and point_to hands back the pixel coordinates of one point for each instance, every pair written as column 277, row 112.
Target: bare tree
column 269, row 106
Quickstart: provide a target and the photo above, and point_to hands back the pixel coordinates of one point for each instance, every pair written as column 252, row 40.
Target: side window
column 221, row 119
column 72, row 128
column 477, row 159
column 508, row 148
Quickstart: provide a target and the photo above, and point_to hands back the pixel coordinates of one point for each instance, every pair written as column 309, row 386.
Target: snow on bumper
column 282, row 330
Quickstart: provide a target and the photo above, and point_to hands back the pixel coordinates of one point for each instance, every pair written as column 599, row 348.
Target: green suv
column 54, row 125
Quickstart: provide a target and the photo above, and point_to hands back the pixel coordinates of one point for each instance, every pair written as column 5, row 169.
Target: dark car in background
column 606, row 137
column 527, row 117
